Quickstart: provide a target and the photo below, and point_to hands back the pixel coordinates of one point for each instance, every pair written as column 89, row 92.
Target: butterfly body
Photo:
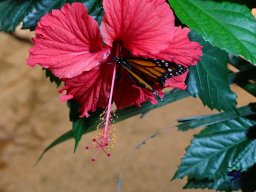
column 147, row 71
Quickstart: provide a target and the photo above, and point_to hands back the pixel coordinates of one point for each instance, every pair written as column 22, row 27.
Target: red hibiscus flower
column 69, row 43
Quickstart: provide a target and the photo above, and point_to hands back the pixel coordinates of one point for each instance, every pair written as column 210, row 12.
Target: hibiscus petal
column 177, row 81
column 91, row 88
column 182, row 50
column 126, row 93
column 67, row 42
column 144, row 26
column 156, row 2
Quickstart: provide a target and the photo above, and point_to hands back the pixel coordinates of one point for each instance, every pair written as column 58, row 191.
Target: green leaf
column 209, row 78
column 210, row 184
column 57, row 141
column 246, row 78
column 98, row 14
column 78, row 129
column 199, row 184
column 95, row 9
column 12, row 12
column 74, row 109
column 37, row 9
column 226, row 185
column 228, row 26
column 92, row 4
column 29, row 12
column 217, row 150
column 239, row 63
column 205, row 120
column 52, row 78
column 90, row 124
column 82, row 126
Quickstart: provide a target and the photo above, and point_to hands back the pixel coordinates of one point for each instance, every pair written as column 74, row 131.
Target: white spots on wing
column 120, row 61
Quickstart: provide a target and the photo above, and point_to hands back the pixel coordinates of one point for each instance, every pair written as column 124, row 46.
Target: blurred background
column 31, row 116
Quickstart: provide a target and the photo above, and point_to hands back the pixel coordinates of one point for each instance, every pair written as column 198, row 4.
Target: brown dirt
column 31, row 116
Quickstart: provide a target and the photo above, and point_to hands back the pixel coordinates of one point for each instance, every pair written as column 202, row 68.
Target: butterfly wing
column 140, row 81
column 156, row 70
column 147, row 72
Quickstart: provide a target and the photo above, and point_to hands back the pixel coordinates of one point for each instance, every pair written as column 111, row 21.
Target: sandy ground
column 31, row 116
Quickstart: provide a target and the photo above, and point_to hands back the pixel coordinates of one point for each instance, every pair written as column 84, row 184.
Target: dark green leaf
column 80, row 125
column 12, row 12
column 239, row 63
column 52, row 78
column 199, row 184
column 217, row 150
column 37, row 9
column 95, row 9
column 57, row 141
column 195, row 122
column 98, row 14
column 74, row 109
column 209, row 78
column 91, row 4
column 228, row 26
column 246, row 78
column 78, row 130
column 210, row 184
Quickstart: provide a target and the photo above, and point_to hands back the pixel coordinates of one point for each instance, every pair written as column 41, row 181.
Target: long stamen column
column 105, row 138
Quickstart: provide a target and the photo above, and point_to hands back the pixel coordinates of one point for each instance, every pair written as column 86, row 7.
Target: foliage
column 233, row 23
column 221, row 156
column 52, row 78
column 211, row 158
column 211, row 88
column 29, row 12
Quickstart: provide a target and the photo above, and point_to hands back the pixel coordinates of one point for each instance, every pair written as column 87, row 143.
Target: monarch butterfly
column 147, row 71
